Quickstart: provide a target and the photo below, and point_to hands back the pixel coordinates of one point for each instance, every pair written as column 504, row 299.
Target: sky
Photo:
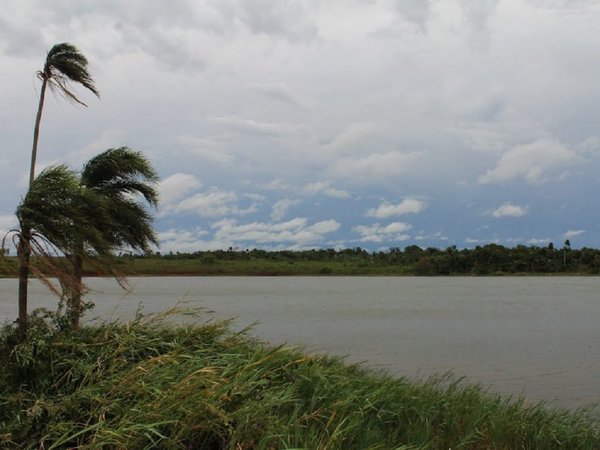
column 282, row 124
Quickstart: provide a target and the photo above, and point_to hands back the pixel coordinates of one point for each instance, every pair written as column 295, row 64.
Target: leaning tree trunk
column 75, row 300
column 24, row 253
column 25, row 241
column 36, row 132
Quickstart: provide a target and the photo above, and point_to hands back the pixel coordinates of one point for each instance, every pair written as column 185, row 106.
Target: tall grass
column 151, row 383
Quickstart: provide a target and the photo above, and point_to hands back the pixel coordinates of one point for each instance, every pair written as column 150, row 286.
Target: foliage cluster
column 153, row 384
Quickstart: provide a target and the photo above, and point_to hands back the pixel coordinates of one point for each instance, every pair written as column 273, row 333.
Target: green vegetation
column 64, row 66
column 153, row 384
column 118, row 178
column 489, row 259
column 66, row 221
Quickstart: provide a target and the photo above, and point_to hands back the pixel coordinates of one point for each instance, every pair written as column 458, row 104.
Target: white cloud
column 108, row 139
column 253, row 127
column 374, row 166
column 324, row 187
column 323, row 227
column 193, row 240
column 207, row 149
column 255, row 197
column 276, row 185
column 281, row 207
column 393, row 232
column 509, row 210
column 214, row 203
column 540, row 242
column 175, row 187
column 294, row 232
column 354, row 133
column 471, row 241
column 406, row 206
column 438, row 236
column 8, row 222
column 570, row 234
column 534, row 162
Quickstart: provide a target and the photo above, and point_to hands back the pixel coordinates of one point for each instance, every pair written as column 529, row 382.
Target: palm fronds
column 120, row 175
column 66, row 65
column 57, row 208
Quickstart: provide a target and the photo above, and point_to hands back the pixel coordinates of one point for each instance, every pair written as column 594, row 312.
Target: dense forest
column 491, row 259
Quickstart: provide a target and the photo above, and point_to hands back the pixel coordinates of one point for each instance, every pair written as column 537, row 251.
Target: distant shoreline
column 488, row 260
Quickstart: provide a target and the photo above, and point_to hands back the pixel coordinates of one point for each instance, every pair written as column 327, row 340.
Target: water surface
column 532, row 336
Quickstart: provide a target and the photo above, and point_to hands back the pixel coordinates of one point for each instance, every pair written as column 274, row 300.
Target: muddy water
column 532, row 336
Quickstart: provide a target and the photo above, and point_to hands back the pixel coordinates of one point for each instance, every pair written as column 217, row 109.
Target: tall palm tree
column 65, row 66
column 120, row 177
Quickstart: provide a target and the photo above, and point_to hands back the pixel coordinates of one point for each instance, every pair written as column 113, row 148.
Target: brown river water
column 537, row 337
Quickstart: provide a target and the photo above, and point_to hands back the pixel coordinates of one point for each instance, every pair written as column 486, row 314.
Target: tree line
column 490, row 259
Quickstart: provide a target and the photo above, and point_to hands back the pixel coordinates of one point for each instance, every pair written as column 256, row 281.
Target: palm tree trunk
column 24, row 243
column 36, row 132
column 77, row 289
column 24, row 255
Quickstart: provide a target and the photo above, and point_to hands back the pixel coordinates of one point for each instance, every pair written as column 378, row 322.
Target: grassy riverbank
column 209, row 266
column 153, row 266
column 153, row 384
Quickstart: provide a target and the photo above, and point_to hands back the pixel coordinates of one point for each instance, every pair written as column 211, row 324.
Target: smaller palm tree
column 120, row 177
column 56, row 213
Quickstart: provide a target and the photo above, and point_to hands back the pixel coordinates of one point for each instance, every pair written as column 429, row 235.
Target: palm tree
column 56, row 214
column 65, row 65
column 119, row 176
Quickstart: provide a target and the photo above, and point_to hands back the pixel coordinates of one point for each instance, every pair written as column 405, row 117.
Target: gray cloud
column 345, row 102
column 279, row 18
column 20, row 40
column 278, row 92
column 253, row 127
column 415, row 11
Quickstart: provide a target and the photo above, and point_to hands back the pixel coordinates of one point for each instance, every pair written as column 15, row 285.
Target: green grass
column 155, row 266
column 154, row 384
column 255, row 267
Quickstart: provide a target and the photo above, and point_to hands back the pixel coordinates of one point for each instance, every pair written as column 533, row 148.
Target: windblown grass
column 153, row 384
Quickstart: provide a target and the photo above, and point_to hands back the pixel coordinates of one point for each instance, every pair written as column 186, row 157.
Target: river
column 533, row 336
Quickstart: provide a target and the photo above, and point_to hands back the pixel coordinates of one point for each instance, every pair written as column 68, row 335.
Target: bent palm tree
column 119, row 176
column 56, row 214
column 65, row 65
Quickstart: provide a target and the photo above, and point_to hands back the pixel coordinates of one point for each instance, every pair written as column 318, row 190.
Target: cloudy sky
column 325, row 123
